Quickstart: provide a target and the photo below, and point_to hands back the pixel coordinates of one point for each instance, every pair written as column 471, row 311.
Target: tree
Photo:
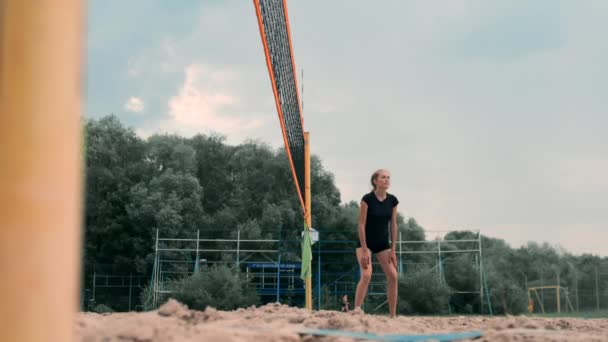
column 171, row 152
column 170, row 203
column 422, row 292
column 115, row 161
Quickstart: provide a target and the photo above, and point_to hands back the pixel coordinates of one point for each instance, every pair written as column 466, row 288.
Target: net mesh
column 275, row 37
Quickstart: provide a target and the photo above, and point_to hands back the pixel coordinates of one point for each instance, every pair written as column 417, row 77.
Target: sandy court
column 273, row 322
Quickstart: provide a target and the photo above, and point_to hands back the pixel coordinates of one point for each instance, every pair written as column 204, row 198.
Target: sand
column 274, row 322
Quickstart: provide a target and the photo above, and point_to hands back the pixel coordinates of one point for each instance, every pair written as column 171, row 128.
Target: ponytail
column 374, row 177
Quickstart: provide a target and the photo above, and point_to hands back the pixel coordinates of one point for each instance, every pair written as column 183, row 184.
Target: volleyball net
column 273, row 20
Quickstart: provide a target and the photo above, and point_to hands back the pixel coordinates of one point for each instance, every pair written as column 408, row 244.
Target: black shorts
column 376, row 247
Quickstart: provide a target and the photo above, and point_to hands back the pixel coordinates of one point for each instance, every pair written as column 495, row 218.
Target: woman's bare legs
column 392, row 279
column 366, row 277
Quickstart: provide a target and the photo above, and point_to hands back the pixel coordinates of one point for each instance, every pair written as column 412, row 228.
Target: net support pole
column 41, row 48
column 308, row 211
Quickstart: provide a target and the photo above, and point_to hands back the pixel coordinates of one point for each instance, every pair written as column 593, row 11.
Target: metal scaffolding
column 474, row 248
column 131, row 284
column 273, row 267
column 266, row 267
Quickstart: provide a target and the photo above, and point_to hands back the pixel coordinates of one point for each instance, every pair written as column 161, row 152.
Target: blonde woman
column 378, row 212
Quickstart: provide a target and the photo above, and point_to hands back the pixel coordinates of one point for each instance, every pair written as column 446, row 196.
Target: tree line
column 179, row 186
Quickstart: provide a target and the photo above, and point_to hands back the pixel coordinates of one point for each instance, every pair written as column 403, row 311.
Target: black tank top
column 379, row 215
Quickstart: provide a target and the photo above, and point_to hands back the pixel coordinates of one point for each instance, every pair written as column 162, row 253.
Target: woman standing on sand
column 378, row 209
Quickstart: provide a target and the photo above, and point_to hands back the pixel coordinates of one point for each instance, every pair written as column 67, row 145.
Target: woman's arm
column 394, row 229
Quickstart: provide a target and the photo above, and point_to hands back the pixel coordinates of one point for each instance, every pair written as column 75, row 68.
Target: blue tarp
column 393, row 337
column 273, row 265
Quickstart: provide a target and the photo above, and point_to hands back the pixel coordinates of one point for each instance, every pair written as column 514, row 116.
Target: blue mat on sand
column 393, row 337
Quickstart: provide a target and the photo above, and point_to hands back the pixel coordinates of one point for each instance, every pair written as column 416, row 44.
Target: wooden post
column 308, row 210
column 41, row 48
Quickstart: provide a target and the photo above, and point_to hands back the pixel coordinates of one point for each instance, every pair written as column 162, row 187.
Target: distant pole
column 130, row 288
column 238, row 248
column 94, row 285
column 575, row 282
column 597, row 290
column 558, row 299
column 481, row 279
column 542, row 284
column 41, row 173
column 308, row 211
column 576, row 289
column 319, row 275
column 155, row 273
column 197, row 259
column 438, row 260
column 278, row 282
column 557, row 290
column 526, row 282
column 400, row 254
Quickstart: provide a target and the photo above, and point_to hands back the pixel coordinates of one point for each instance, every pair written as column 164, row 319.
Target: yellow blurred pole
column 308, row 211
column 41, row 44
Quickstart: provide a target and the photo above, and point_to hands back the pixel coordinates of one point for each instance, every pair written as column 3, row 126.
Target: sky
column 490, row 115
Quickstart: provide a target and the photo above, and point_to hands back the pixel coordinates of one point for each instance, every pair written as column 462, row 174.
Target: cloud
column 171, row 60
column 203, row 104
column 134, row 104
column 194, row 82
column 134, row 67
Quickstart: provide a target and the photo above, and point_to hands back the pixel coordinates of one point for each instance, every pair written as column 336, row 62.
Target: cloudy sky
column 491, row 115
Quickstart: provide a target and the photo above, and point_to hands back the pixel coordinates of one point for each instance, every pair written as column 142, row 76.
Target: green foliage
column 421, row 292
column 219, row 287
column 115, row 162
column 180, row 185
column 410, row 230
column 507, row 297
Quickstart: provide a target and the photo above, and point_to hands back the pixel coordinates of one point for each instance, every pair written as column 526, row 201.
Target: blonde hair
column 375, row 176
